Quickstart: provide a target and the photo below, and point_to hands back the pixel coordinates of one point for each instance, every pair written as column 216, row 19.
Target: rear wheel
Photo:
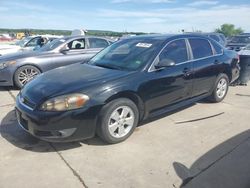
column 25, row 74
column 117, row 121
column 220, row 89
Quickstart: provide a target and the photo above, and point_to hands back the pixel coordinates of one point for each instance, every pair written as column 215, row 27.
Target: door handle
column 187, row 71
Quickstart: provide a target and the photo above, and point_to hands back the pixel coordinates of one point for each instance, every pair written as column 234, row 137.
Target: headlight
column 6, row 64
column 65, row 102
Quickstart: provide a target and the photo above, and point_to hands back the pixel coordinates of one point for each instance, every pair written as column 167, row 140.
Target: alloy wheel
column 121, row 121
column 26, row 75
column 221, row 88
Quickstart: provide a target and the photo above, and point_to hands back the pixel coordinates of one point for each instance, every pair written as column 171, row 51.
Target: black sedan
column 127, row 82
column 19, row 68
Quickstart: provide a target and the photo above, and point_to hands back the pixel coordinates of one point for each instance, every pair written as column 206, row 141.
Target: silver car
column 19, row 68
column 27, row 44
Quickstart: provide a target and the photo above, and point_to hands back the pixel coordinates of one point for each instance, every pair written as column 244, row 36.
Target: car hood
column 22, row 55
column 69, row 79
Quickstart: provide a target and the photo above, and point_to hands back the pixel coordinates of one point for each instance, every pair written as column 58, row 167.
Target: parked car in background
column 238, row 42
column 26, row 44
column 245, row 50
column 19, row 68
column 127, row 82
column 248, row 34
column 5, row 38
column 218, row 37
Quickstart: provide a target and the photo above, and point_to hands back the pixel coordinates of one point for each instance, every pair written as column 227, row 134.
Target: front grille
column 43, row 133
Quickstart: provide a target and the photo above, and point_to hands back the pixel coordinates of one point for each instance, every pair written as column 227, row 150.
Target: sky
column 160, row 16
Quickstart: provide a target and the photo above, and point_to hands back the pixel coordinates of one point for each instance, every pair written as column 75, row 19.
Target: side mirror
column 64, row 49
column 165, row 63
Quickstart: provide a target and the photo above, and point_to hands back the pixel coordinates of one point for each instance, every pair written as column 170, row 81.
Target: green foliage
column 229, row 30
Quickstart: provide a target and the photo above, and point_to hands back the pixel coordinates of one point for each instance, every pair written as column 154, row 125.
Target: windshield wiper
column 108, row 66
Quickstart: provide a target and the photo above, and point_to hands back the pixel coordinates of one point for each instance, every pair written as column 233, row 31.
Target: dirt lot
column 206, row 145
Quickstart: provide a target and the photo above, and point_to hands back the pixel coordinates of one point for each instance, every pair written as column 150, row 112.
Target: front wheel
column 117, row 121
column 25, row 74
column 220, row 89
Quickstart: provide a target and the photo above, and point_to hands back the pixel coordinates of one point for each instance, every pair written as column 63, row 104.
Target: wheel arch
column 22, row 65
column 227, row 71
column 133, row 97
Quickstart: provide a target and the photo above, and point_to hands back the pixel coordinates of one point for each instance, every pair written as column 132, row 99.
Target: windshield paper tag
column 144, row 45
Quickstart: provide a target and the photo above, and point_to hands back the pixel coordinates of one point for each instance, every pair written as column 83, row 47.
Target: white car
column 26, row 44
column 245, row 51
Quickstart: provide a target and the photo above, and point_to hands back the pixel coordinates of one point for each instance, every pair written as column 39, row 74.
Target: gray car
column 19, row 68
column 27, row 44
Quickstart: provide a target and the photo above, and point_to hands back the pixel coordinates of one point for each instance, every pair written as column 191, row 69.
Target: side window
column 77, row 44
column 33, row 42
column 176, row 51
column 201, row 48
column 97, row 43
column 216, row 38
column 218, row 49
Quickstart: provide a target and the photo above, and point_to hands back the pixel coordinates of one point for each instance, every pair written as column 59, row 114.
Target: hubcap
column 121, row 121
column 221, row 88
column 26, row 75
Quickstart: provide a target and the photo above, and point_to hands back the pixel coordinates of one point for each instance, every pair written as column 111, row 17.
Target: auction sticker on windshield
column 144, row 45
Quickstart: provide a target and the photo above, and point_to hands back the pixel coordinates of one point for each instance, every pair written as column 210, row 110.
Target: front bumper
column 66, row 126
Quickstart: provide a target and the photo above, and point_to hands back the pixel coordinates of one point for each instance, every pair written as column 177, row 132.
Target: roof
column 167, row 36
column 82, row 36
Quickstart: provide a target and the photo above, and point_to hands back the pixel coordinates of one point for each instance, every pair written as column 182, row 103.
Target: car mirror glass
column 64, row 49
column 165, row 63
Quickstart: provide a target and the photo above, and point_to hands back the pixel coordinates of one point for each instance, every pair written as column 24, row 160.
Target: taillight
column 238, row 57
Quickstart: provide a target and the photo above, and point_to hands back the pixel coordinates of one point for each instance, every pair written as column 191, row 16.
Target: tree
column 229, row 30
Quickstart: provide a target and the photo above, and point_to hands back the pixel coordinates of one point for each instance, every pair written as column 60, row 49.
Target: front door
column 171, row 84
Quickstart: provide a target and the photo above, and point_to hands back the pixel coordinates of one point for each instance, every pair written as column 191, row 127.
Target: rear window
column 201, row 48
column 218, row 49
column 216, row 38
column 97, row 43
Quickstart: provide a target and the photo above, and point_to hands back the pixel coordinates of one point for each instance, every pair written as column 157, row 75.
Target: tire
column 25, row 74
column 220, row 88
column 114, row 126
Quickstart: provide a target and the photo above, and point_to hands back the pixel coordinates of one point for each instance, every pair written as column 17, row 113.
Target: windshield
column 130, row 54
column 240, row 39
column 248, row 47
column 23, row 41
column 52, row 45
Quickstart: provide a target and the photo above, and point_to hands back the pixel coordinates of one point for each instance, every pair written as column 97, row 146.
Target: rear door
column 171, row 84
column 205, row 65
